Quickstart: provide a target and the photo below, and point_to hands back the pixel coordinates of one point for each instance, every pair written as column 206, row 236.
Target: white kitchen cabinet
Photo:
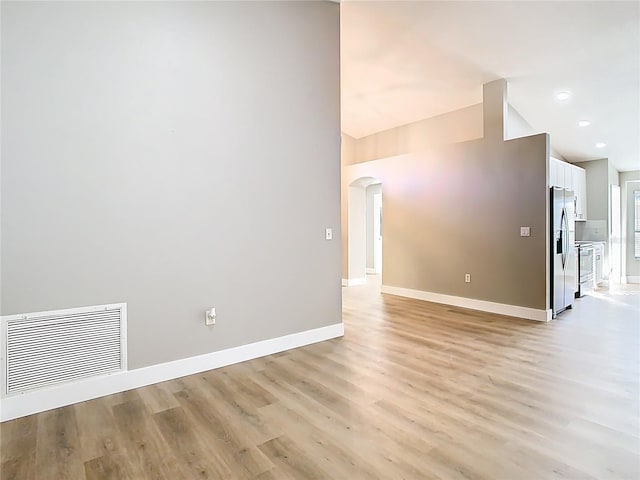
column 579, row 180
column 553, row 172
column 572, row 177
column 568, row 178
column 556, row 169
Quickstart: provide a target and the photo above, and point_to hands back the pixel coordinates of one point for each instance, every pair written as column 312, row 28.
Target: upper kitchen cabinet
column 566, row 175
column 579, row 180
column 554, row 174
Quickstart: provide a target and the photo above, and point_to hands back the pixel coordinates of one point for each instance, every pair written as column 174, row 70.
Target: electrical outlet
column 525, row 231
column 210, row 316
column 467, row 277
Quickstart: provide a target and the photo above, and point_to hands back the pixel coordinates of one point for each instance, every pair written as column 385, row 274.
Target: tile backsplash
column 591, row 230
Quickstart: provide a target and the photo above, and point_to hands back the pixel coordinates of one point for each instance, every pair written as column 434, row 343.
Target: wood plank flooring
column 413, row 391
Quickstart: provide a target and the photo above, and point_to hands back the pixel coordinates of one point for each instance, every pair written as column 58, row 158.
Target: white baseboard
column 54, row 397
column 633, row 279
column 352, row 282
column 472, row 303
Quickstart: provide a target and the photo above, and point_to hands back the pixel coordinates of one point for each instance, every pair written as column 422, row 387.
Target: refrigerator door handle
column 563, row 237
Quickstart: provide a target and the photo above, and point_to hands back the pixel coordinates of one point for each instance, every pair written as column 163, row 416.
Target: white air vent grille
column 48, row 348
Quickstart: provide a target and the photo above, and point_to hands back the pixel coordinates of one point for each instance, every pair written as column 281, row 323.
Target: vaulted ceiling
column 406, row 61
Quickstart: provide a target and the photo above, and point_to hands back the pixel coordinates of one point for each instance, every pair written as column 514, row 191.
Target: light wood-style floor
column 413, row 391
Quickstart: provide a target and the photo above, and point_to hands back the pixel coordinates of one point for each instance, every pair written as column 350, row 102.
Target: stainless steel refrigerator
column 563, row 252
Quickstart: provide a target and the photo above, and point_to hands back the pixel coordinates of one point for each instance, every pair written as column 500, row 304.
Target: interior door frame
column 615, row 234
column 377, row 233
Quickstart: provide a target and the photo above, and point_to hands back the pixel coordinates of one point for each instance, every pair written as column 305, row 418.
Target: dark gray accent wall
column 175, row 156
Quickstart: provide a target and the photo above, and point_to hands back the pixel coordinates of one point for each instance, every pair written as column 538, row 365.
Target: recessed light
column 563, row 96
column 584, row 123
column 601, row 145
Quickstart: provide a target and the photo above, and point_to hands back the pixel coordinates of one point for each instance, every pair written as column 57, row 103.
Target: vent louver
column 50, row 348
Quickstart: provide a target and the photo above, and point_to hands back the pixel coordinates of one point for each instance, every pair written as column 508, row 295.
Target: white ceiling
column 405, row 61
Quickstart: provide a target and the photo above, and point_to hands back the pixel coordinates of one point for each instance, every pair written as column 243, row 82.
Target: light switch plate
column 210, row 316
column 525, row 231
column 328, row 233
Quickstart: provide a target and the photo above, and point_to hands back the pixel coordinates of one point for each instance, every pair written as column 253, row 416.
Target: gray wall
column 457, row 126
column 347, row 152
column 452, row 127
column 518, row 127
column 597, row 172
column 597, row 226
column 174, row 156
column 370, row 192
column 458, row 209
column 600, row 175
column 357, row 221
column 614, row 174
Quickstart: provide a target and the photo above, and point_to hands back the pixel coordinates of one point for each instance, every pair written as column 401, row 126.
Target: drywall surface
column 357, row 227
column 370, row 192
column 518, row 127
column 175, row 156
column 597, row 172
column 458, row 209
column 347, row 152
column 600, row 176
column 453, row 127
column 348, row 149
column 614, row 174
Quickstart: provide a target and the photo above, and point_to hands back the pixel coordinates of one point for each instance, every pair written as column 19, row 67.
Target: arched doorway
column 364, row 244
